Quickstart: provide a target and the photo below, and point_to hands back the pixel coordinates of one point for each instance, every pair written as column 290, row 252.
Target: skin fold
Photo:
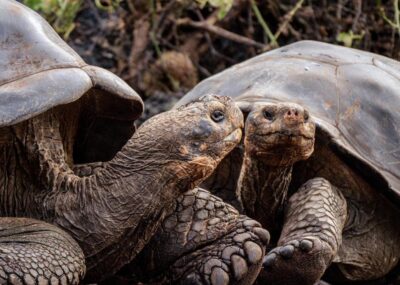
column 113, row 211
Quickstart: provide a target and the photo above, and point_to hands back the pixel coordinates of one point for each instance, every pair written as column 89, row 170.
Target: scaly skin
column 34, row 252
column 114, row 212
column 311, row 234
column 203, row 240
column 334, row 216
column 271, row 148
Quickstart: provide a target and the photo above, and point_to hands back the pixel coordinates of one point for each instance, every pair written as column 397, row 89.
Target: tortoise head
column 279, row 133
column 197, row 136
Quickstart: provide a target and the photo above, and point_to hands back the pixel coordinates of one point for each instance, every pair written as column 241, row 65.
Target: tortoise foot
column 295, row 262
column 33, row 252
column 203, row 240
column 312, row 233
column 234, row 259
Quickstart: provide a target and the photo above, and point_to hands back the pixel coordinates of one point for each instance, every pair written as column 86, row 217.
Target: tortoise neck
column 138, row 157
column 122, row 200
column 263, row 189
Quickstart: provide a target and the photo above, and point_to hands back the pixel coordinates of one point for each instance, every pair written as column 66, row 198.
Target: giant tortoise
column 81, row 190
column 320, row 162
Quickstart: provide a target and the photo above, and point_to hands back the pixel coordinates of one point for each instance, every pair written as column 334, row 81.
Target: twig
column 152, row 33
column 163, row 16
column 131, row 7
column 358, row 4
column 203, row 70
column 396, row 14
column 396, row 23
column 249, row 32
column 295, row 33
column 191, row 44
column 140, row 32
column 213, row 50
column 204, row 25
column 263, row 24
column 288, row 18
column 339, row 10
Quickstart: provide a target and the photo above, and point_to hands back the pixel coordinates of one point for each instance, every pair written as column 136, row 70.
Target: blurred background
column 164, row 48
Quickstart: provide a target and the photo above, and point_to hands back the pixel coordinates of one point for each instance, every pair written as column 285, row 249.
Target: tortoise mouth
column 234, row 137
column 283, row 148
column 281, row 157
column 287, row 135
column 291, row 145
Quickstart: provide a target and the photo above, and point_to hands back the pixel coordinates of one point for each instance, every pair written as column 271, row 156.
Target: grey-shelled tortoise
column 79, row 188
column 342, row 205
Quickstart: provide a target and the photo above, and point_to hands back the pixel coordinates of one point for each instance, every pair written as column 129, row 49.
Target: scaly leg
column 205, row 241
column 311, row 235
column 34, row 252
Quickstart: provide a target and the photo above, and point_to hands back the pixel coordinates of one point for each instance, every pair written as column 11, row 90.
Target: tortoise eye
column 268, row 115
column 217, row 116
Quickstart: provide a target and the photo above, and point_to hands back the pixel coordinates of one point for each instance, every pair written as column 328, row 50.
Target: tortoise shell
column 354, row 97
column 39, row 71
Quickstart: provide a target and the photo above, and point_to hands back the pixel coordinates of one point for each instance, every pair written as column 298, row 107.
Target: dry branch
column 204, row 25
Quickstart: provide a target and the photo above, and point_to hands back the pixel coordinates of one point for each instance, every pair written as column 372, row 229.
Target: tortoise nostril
column 293, row 115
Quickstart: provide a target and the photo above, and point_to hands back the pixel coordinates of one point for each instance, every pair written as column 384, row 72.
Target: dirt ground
column 163, row 48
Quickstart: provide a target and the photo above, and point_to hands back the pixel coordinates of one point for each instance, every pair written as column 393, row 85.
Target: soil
column 163, row 51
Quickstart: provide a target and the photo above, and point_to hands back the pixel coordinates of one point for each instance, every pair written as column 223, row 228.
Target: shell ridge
column 42, row 71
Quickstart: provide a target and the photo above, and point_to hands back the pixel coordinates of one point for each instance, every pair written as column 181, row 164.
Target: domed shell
column 38, row 71
column 354, row 97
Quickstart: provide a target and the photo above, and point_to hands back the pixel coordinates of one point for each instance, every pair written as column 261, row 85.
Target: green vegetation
column 109, row 6
column 273, row 38
column 395, row 24
column 348, row 38
column 59, row 13
column 223, row 6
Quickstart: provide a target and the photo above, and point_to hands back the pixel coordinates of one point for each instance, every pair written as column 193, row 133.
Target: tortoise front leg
column 34, row 252
column 205, row 241
column 311, row 235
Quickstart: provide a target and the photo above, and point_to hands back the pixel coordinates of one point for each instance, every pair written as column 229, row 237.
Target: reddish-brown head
column 279, row 133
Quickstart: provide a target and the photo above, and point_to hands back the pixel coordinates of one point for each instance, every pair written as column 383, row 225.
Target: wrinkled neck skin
column 112, row 213
column 121, row 205
column 262, row 190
